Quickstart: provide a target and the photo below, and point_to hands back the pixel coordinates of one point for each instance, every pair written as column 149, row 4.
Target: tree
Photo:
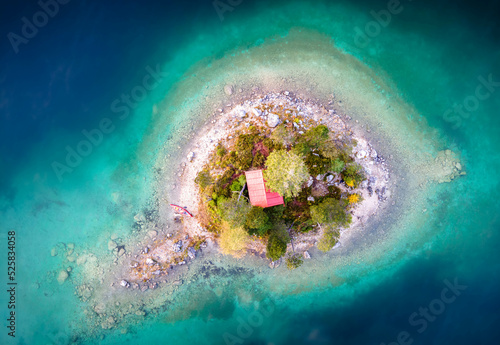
column 328, row 239
column 276, row 244
column 330, row 212
column 276, row 247
column 353, row 175
column 286, row 173
column 203, row 179
column 233, row 211
column 316, row 136
column 258, row 221
column 233, row 241
column 294, row 261
column 283, row 135
column 337, row 165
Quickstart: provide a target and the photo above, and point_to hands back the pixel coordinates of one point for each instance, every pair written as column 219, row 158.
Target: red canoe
column 181, row 210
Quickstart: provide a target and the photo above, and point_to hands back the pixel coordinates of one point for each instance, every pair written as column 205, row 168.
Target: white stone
column 310, row 198
column 361, row 154
column 228, row 89
column 256, row 112
column 307, row 255
column 273, row 120
column 190, row 156
column 329, row 178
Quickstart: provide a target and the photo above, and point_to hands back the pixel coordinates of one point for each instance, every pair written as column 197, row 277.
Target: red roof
column 259, row 195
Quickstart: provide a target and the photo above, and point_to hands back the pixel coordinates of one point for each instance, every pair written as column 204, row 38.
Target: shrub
column 286, row 179
column 275, row 213
column 317, row 136
column 330, row 212
column 233, row 241
column 337, row 165
column 257, row 221
column 203, row 179
column 259, row 160
column 328, row 239
column 233, row 211
column 276, row 247
column 294, row 261
column 317, row 164
column 283, row 135
column 353, row 175
column 329, row 149
column 221, row 150
column 353, row 199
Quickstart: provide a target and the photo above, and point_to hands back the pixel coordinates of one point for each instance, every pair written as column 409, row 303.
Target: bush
column 283, row 135
column 276, row 247
column 286, row 179
column 330, row 212
column 317, row 164
column 317, row 136
column 353, row 175
column 233, row 211
column 328, row 239
column 233, row 241
column 294, row 261
column 203, row 179
column 337, row 165
column 257, row 221
column 221, row 150
column 275, row 213
column 259, row 160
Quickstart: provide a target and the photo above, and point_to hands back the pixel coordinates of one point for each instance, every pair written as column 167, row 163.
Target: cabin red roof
column 259, row 195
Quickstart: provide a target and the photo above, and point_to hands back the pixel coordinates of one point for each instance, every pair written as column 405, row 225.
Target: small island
column 271, row 177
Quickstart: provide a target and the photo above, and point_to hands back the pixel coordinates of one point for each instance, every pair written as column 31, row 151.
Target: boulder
column 125, row 283
column 256, row 112
column 307, row 255
column 53, row 252
column 191, row 253
column 329, row 178
column 273, row 120
column 310, row 198
column 150, row 262
column 63, row 275
column 121, row 252
column 177, row 246
column 228, row 90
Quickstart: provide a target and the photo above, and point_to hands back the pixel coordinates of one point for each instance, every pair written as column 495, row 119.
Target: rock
column 203, row 245
column 182, row 263
column 310, row 182
column 191, row 253
column 134, row 264
column 256, row 112
column 121, row 252
column 228, row 90
column 71, row 258
column 329, row 178
column 63, row 275
column 361, row 154
column 310, row 198
column 100, row 308
column 111, row 245
column 241, row 113
column 53, row 252
column 114, row 237
column 320, row 177
column 71, row 246
column 108, row 323
column 125, row 283
column 273, row 120
column 150, row 262
column 307, row 255
column 152, row 233
column 177, row 282
column 69, row 269
column 458, row 166
column 177, row 246
column 190, row 156
column 373, row 153
column 140, row 313
column 81, row 260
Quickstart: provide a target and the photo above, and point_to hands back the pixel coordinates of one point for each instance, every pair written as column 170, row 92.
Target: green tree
column 286, row 173
column 283, row 135
column 330, row 212
column 276, row 247
column 258, row 221
column 203, row 179
column 316, row 136
column 329, row 238
column 294, row 261
column 337, row 165
column 233, row 211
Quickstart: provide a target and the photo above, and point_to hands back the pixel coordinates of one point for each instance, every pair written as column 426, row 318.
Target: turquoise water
column 433, row 64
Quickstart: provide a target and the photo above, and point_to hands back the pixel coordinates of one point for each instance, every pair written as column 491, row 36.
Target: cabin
column 259, row 195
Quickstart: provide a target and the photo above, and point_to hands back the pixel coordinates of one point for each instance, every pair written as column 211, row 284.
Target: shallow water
column 67, row 77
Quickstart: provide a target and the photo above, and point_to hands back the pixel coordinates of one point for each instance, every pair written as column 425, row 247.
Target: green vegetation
column 294, row 261
column 286, row 173
column 289, row 159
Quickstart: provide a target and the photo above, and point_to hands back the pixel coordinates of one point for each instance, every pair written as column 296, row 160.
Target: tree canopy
column 286, row 173
column 330, row 212
column 233, row 211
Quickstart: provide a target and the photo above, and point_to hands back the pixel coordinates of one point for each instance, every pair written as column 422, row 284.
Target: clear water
column 66, row 78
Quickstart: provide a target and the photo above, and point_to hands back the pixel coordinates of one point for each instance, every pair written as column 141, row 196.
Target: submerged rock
column 63, row 275
column 228, row 90
column 307, row 255
column 112, row 245
column 125, row 283
column 177, row 246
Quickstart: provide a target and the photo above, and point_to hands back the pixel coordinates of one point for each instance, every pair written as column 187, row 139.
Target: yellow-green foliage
column 330, row 212
column 285, row 173
column 233, row 241
column 328, row 239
